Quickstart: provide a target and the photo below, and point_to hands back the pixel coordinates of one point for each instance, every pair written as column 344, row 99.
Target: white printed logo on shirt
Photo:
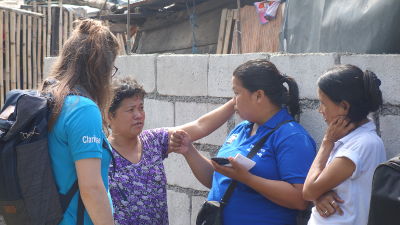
column 231, row 138
column 88, row 140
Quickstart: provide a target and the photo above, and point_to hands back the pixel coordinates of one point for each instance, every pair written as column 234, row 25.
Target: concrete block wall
column 183, row 87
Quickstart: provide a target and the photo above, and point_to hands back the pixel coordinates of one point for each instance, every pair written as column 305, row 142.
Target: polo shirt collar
column 367, row 127
column 276, row 119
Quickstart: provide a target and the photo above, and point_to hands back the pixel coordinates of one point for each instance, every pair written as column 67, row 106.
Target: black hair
column 261, row 74
column 349, row 83
column 124, row 88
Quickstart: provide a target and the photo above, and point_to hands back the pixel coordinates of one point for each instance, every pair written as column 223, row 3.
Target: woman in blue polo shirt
column 77, row 144
column 271, row 191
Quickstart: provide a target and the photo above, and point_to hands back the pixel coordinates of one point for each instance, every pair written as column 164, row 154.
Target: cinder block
column 178, row 208
column 197, row 202
column 218, row 136
column 389, row 126
column 47, row 65
column 305, row 69
column 220, row 72
column 179, row 173
column 314, row 123
column 182, row 75
column 158, row 114
column 187, row 111
column 140, row 67
column 386, row 68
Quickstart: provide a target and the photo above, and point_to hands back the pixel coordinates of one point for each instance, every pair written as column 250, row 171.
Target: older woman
column 137, row 176
column 340, row 178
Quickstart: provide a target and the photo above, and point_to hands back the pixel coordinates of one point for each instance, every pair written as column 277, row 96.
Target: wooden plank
column 18, row 50
column 48, row 41
column 7, row 52
column 13, row 68
column 221, row 32
column 39, row 51
column 22, row 11
column 34, row 53
column 2, row 94
column 71, row 21
column 60, row 26
column 228, row 31
column 24, row 53
column 29, row 52
column 44, row 32
column 65, row 26
column 256, row 37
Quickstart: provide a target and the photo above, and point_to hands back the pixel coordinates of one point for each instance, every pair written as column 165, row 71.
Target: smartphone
column 221, row 161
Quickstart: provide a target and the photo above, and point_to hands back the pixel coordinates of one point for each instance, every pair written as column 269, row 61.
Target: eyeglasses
column 114, row 71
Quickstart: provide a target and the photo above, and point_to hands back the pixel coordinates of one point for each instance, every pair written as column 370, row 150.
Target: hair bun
column 372, row 91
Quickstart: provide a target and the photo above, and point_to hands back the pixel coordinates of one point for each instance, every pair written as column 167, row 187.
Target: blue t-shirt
column 77, row 134
column 286, row 155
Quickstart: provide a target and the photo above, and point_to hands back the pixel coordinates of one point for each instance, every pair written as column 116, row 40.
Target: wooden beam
column 29, row 52
column 24, row 52
column 22, row 11
column 44, row 36
column 39, row 51
column 34, row 53
column 48, row 41
column 228, row 31
column 65, row 26
column 7, row 52
column 13, row 66
column 2, row 94
column 18, row 56
column 221, row 32
column 60, row 26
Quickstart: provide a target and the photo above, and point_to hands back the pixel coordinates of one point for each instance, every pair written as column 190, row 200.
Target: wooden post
column 1, row 62
column 48, row 42
column 34, row 53
column 60, row 26
column 13, row 66
column 29, row 52
column 18, row 49
column 228, row 30
column 39, row 51
column 71, row 22
column 24, row 53
column 221, row 32
column 44, row 30
column 7, row 52
column 65, row 26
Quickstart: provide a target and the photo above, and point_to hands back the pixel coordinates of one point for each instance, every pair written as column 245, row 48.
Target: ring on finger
column 333, row 202
column 325, row 212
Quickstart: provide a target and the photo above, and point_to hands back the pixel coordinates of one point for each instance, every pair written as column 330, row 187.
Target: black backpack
column 385, row 196
column 28, row 192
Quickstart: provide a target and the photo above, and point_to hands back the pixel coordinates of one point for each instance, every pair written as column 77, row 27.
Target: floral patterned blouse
column 138, row 190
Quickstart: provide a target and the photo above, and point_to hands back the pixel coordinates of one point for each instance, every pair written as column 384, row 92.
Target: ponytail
column 293, row 98
column 373, row 94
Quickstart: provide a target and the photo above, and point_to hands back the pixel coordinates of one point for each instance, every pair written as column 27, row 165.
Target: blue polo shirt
column 286, row 155
column 77, row 134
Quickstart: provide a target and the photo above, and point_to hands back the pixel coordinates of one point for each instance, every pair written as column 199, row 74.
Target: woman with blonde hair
column 78, row 148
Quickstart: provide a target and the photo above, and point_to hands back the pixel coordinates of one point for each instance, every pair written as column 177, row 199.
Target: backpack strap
column 254, row 150
column 66, row 199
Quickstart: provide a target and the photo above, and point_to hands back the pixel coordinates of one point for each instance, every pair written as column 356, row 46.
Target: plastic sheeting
column 358, row 26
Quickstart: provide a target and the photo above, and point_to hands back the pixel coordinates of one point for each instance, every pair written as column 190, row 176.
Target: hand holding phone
column 221, row 161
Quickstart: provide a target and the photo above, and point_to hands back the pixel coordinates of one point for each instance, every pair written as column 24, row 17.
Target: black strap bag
column 211, row 211
column 385, row 200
